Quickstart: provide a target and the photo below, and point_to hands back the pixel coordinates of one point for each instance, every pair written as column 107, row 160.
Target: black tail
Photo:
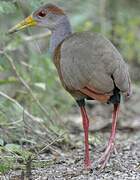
column 116, row 97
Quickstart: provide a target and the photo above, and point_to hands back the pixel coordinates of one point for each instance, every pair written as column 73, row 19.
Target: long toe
column 105, row 156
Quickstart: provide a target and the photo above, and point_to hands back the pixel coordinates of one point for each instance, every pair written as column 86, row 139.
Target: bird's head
column 48, row 16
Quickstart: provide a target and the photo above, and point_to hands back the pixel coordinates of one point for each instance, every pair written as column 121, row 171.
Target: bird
column 89, row 67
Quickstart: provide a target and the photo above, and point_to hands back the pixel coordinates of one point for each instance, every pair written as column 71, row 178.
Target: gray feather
column 89, row 59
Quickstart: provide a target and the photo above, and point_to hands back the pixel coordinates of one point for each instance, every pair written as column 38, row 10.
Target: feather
column 90, row 60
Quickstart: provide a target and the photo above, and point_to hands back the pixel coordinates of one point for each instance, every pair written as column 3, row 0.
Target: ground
column 66, row 160
column 123, row 165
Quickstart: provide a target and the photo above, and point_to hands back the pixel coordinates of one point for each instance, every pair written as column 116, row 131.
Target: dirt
column 67, row 162
column 125, row 165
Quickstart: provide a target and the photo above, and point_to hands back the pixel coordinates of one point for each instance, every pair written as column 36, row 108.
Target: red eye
column 42, row 14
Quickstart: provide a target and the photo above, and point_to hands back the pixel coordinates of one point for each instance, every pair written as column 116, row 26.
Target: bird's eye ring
column 42, row 13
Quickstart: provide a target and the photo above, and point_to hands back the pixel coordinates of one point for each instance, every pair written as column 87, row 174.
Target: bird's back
column 89, row 59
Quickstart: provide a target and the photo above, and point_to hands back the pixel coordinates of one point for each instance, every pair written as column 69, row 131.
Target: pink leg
column 105, row 157
column 86, row 126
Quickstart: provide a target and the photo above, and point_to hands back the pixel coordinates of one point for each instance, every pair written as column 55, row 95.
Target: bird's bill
column 29, row 21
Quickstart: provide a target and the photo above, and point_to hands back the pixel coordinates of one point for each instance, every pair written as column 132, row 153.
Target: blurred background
column 34, row 108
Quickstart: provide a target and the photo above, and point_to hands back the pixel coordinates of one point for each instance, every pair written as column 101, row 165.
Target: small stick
column 27, row 86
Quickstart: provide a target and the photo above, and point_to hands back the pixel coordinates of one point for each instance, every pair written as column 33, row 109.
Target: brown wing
column 92, row 93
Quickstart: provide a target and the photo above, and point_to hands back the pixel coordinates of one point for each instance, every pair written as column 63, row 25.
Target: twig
column 48, row 145
column 36, row 37
column 19, row 106
column 30, row 127
column 29, row 168
column 27, row 86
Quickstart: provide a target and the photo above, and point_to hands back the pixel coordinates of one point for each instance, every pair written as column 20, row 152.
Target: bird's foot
column 105, row 157
column 87, row 165
column 88, row 168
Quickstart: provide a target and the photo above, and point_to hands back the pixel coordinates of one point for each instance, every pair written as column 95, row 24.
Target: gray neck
column 61, row 31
